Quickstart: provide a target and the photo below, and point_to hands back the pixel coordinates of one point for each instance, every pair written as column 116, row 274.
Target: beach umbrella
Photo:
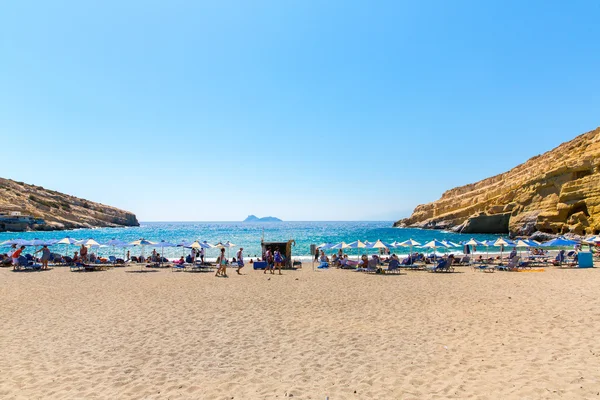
column 501, row 243
column 67, row 242
column 560, row 241
column 378, row 245
column 448, row 243
column 143, row 243
column 520, row 243
column 410, row 243
column 228, row 245
column 357, row 245
column 162, row 244
column 10, row 242
column 114, row 243
column 434, row 244
column 325, row 246
column 342, row 245
column 473, row 243
column 184, row 244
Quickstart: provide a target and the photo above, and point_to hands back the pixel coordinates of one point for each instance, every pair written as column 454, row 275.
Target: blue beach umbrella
column 325, row 246
column 143, row 243
column 116, row 243
column 357, row 245
column 560, row 241
column 10, row 242
column 434, row 244
column 162, row 244
column 409, row 243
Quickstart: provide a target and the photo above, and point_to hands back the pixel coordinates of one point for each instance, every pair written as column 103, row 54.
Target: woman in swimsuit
column 222, row 261
column 278, row 261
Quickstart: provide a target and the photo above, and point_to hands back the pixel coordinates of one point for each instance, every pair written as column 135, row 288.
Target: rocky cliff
column 60, row 211
column 556, row 192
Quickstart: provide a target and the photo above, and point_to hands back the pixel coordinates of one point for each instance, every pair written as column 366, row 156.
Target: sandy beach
column 307, row 335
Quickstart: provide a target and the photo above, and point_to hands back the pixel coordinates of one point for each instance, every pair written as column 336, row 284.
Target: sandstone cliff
column 60, row 211
column 556, row 192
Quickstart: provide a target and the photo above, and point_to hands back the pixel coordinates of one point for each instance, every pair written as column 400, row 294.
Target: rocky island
column 30, row 207
column 557, row 192
column 254, row 218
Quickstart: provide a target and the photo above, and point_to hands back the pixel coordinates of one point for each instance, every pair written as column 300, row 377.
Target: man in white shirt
column 240, row 259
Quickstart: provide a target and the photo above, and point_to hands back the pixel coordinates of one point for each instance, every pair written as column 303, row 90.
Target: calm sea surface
column 248, row 235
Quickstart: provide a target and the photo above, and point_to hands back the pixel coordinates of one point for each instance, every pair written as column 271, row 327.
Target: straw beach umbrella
column 357, row 245
column 67, row 242
column 410, row 243
column 501, row 242
column 474, row 243
column 143, row 243
column 434, row 244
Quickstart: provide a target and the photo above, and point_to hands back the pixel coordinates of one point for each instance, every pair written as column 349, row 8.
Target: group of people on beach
column 223, row 262
column 274, row 259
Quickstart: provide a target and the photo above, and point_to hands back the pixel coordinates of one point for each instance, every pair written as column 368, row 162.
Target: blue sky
column 306, row 110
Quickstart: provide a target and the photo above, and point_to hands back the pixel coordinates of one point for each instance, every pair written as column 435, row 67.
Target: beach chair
column 483, row 268
column 393, row 267
column 513, row 265
column 372, row 266
column 76, row 266
column 177, row 267
column 443, row 266
column 466, row 260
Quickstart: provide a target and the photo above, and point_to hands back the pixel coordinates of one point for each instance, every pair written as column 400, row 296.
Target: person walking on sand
column 45, row 256
column 202, row 256
column 269, row 260
column 317, row 254
column 240, row 260
column 222, row 262
column 278, row 261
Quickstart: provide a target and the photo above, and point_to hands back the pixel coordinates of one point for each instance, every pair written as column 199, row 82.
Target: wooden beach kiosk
column 285, row 248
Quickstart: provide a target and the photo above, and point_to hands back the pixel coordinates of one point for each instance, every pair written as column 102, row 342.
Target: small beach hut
column 285, row 248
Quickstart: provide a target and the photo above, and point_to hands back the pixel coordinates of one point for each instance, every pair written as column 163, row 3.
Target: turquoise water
column 248, row 235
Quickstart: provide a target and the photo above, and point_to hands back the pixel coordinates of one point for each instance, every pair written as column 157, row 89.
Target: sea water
column 249, row 236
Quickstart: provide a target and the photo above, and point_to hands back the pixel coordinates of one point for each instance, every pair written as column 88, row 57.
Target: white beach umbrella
column 143, row 243
column 434, row 244
column 410, row 243
column 162, row 244
column 357, row 245
column 473, row 243
column 324, row 246
column 448, row 243
column 501, row 243
column 377, row 245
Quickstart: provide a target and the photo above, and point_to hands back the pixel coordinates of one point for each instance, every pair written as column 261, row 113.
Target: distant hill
column 254, row 218
column 58, row 210
column 557, row 192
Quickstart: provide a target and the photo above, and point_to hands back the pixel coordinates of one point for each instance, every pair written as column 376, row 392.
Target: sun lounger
column 178, row 267
column 513, row 265
column 443, row 266
column 393, row 267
